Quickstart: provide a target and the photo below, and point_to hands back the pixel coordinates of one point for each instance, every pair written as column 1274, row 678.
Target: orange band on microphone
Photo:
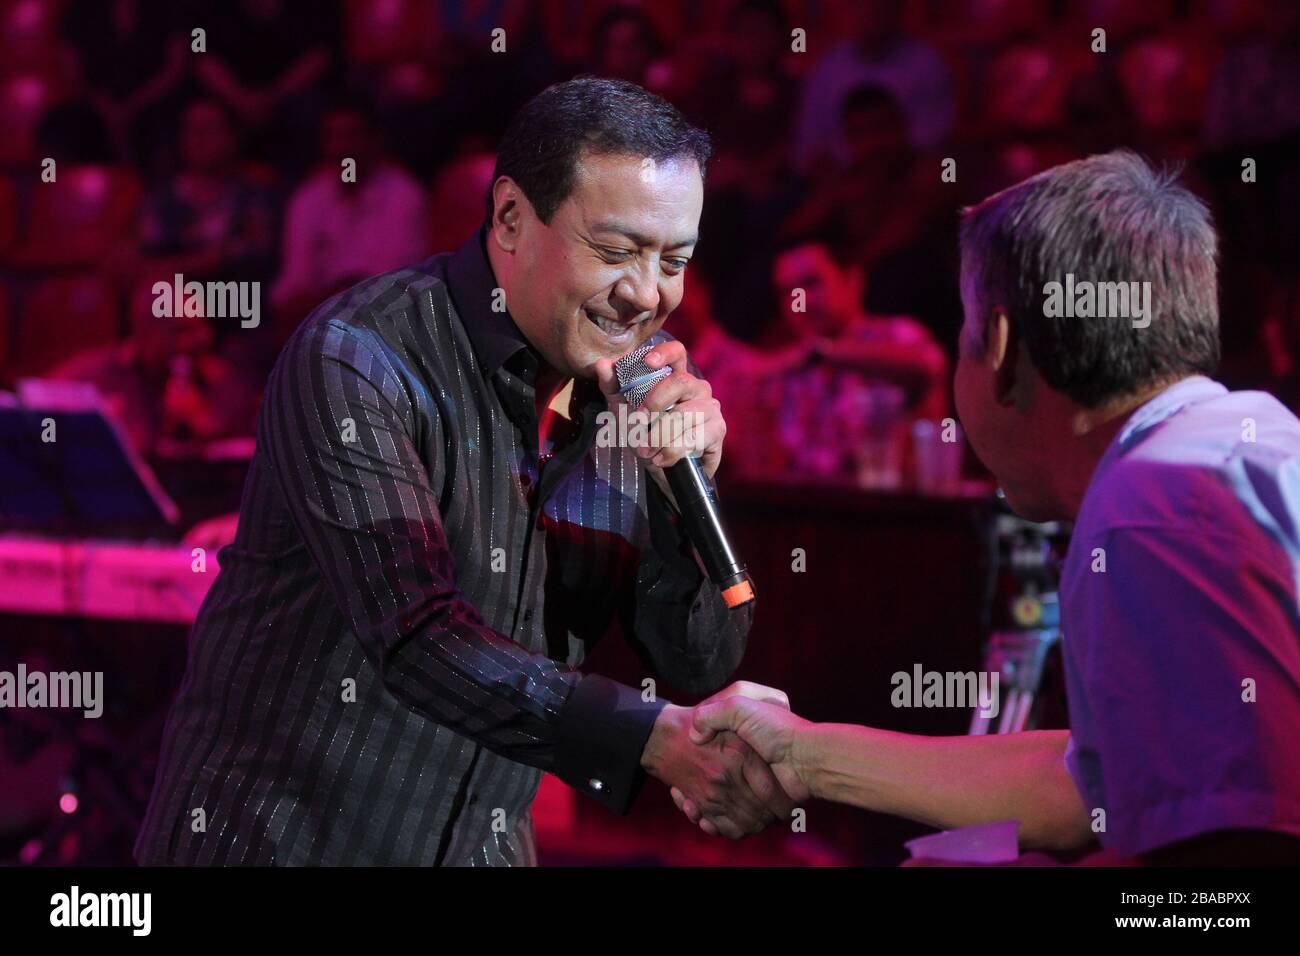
column 738, row 594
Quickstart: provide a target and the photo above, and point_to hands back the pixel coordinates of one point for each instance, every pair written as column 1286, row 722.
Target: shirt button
column 597, row 785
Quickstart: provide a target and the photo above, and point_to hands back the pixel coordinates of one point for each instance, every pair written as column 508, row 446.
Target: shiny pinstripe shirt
column 384, row 665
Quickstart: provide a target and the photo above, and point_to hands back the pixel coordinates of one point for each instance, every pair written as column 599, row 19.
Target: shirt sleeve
column 677, row 621
column 334, row 431
column 1186, row 646
column 675, row 618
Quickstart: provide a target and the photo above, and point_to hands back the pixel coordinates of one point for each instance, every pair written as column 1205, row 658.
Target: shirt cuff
column 601, row 734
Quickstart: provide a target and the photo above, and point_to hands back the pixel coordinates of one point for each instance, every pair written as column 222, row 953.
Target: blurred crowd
column 827, row 275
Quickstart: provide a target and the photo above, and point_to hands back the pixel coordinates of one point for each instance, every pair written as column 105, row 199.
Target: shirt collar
column 1151, row 414
column 496, row 338
column 494, row 335
column 1165, row 405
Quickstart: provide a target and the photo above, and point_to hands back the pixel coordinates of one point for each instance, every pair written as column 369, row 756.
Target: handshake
column 735, row 763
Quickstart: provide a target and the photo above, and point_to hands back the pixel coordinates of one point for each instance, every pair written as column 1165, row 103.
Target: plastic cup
column 938, row 463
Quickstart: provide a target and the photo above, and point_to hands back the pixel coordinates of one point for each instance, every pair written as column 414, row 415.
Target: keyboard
column 115, row 580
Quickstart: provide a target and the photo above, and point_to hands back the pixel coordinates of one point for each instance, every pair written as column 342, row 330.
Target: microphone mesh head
column 635, row 378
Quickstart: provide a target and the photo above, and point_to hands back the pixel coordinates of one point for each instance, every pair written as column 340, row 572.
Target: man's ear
column 507, row 213
column 1003, row 355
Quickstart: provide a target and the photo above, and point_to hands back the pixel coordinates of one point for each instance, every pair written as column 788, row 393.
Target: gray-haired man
column 1179, row 594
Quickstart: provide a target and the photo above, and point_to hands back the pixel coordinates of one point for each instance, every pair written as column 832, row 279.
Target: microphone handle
column 698, row 505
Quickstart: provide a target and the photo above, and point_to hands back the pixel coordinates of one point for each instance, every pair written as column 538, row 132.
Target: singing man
column 430, row 540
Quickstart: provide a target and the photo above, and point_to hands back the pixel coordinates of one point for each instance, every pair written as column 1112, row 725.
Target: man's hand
column 724, row 778
column 695, row 425
column 757, row 773
column 769, row 728
column 751, row 690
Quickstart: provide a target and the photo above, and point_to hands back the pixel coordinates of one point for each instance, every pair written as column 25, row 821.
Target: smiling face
column 605, row 273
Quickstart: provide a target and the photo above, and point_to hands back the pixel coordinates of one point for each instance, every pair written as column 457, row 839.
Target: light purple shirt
column 1195, row 614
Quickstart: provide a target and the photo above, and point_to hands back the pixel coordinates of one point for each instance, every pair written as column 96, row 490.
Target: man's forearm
column 949, row 782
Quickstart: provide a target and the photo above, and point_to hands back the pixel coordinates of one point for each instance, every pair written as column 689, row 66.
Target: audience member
column 878, row 51
column 859, row 378
column 348, row 220
column 166, row 382
column 212, row 218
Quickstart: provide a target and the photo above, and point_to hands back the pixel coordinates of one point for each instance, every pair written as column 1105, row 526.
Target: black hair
column 544, row 140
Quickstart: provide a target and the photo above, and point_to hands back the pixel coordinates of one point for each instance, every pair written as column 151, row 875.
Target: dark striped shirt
column 384, row 665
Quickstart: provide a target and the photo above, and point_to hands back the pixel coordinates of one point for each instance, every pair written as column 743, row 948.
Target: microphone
column 696, row 499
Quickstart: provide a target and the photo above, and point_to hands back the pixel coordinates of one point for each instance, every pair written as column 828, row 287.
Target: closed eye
column 673, row 265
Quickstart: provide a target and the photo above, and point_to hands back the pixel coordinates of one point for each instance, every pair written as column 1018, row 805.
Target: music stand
column 67, row 468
